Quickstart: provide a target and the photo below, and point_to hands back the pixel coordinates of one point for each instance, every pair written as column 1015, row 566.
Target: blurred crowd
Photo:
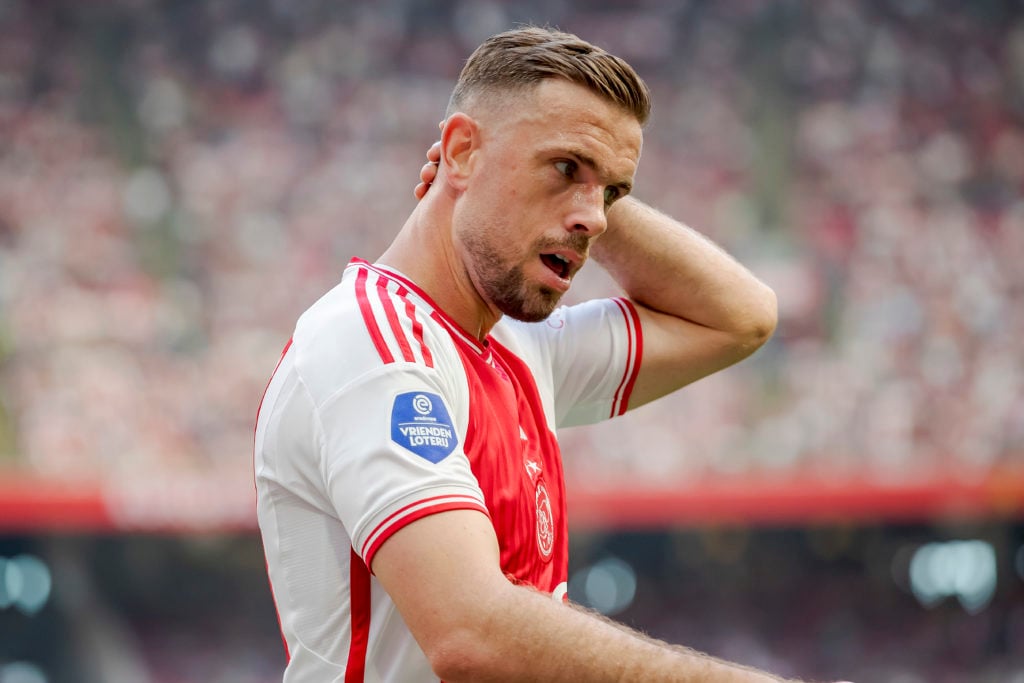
column 814, row 605
column 178, row 181
column 766, row 599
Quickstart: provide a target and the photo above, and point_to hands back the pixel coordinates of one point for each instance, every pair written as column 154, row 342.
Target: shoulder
column 368, row 324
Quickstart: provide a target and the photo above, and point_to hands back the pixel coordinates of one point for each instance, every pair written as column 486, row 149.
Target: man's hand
column 429, row 170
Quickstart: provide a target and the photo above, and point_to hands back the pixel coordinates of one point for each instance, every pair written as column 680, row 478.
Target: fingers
column 434, row 153
column 429, row 170
column 427, row 175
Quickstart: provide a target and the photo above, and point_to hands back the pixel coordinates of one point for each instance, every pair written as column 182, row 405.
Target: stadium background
column 179, row 180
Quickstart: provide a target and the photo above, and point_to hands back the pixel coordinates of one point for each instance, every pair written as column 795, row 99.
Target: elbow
column 461, row 656
column 768, row 316
column 761, row 320
column 468, row 639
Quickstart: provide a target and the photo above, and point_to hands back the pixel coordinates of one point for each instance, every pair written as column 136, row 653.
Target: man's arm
column 443, row 574
column 700, row 310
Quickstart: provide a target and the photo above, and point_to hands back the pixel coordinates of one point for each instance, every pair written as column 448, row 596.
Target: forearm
column 531, row 637
column 671, row 268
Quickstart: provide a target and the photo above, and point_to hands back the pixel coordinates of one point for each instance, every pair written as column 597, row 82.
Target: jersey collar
column 481, row 347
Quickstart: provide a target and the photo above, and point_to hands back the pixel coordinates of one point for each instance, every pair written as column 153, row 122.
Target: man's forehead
column 564, row 114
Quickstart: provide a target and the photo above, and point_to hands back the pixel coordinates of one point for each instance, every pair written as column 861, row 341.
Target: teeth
column 561, row 258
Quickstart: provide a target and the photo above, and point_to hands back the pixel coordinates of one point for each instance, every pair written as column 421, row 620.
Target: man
column 410, row 487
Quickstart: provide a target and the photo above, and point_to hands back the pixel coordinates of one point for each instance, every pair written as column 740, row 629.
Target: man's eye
column 566, row 168
column 611, row 193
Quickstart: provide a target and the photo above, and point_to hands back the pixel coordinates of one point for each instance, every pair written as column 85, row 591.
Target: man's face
column 551, row 162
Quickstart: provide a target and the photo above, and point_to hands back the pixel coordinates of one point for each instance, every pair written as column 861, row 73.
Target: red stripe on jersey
column 417, row 326
column 406, row 515
column 392, row 315
column 273, row 597
column 359, row 594
column 436, row 313
column 370, row 320
column 280, row 360
column 459, row 333
column 277, row 612
column 633, row 332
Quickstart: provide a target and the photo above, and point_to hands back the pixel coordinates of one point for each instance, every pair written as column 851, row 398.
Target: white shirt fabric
column 381, row 411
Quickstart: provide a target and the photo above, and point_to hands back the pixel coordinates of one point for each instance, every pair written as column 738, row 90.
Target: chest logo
column 545, row 522
column 420, row 423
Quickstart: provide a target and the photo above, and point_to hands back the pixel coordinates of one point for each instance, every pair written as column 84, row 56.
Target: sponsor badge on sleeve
column 420, row 423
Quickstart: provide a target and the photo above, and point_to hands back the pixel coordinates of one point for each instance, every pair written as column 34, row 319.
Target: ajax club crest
column 545, row 522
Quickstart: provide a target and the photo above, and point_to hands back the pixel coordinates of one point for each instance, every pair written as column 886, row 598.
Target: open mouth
column 558, row 265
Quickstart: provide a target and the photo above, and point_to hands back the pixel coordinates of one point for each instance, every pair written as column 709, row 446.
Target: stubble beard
column 512, row 296
column 506, row 287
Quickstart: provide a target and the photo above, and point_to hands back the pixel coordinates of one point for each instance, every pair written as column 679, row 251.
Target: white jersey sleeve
column 392, row 453
column 361, row 431
column 587, row 355
column 374, row 443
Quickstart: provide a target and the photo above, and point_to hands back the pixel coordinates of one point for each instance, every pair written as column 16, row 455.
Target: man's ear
column 460, row 140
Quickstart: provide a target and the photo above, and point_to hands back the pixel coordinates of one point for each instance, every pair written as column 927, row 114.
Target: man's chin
column 543, row 305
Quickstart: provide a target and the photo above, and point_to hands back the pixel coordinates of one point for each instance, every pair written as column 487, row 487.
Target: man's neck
column 424, row 252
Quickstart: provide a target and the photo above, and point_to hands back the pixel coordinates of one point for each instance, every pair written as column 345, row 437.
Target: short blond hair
column 523, row 57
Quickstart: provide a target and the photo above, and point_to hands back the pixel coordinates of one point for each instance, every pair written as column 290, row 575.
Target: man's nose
column 588, row 212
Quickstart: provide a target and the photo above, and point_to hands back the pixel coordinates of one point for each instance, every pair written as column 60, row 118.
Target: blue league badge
column 420, row 423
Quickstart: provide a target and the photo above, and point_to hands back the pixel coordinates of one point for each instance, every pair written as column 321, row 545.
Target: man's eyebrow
column 589, row 161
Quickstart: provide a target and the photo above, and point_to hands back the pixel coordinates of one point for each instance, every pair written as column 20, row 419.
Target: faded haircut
column 521, row 58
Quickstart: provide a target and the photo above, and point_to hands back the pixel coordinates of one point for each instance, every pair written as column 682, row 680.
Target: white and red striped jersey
column 383, row 410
